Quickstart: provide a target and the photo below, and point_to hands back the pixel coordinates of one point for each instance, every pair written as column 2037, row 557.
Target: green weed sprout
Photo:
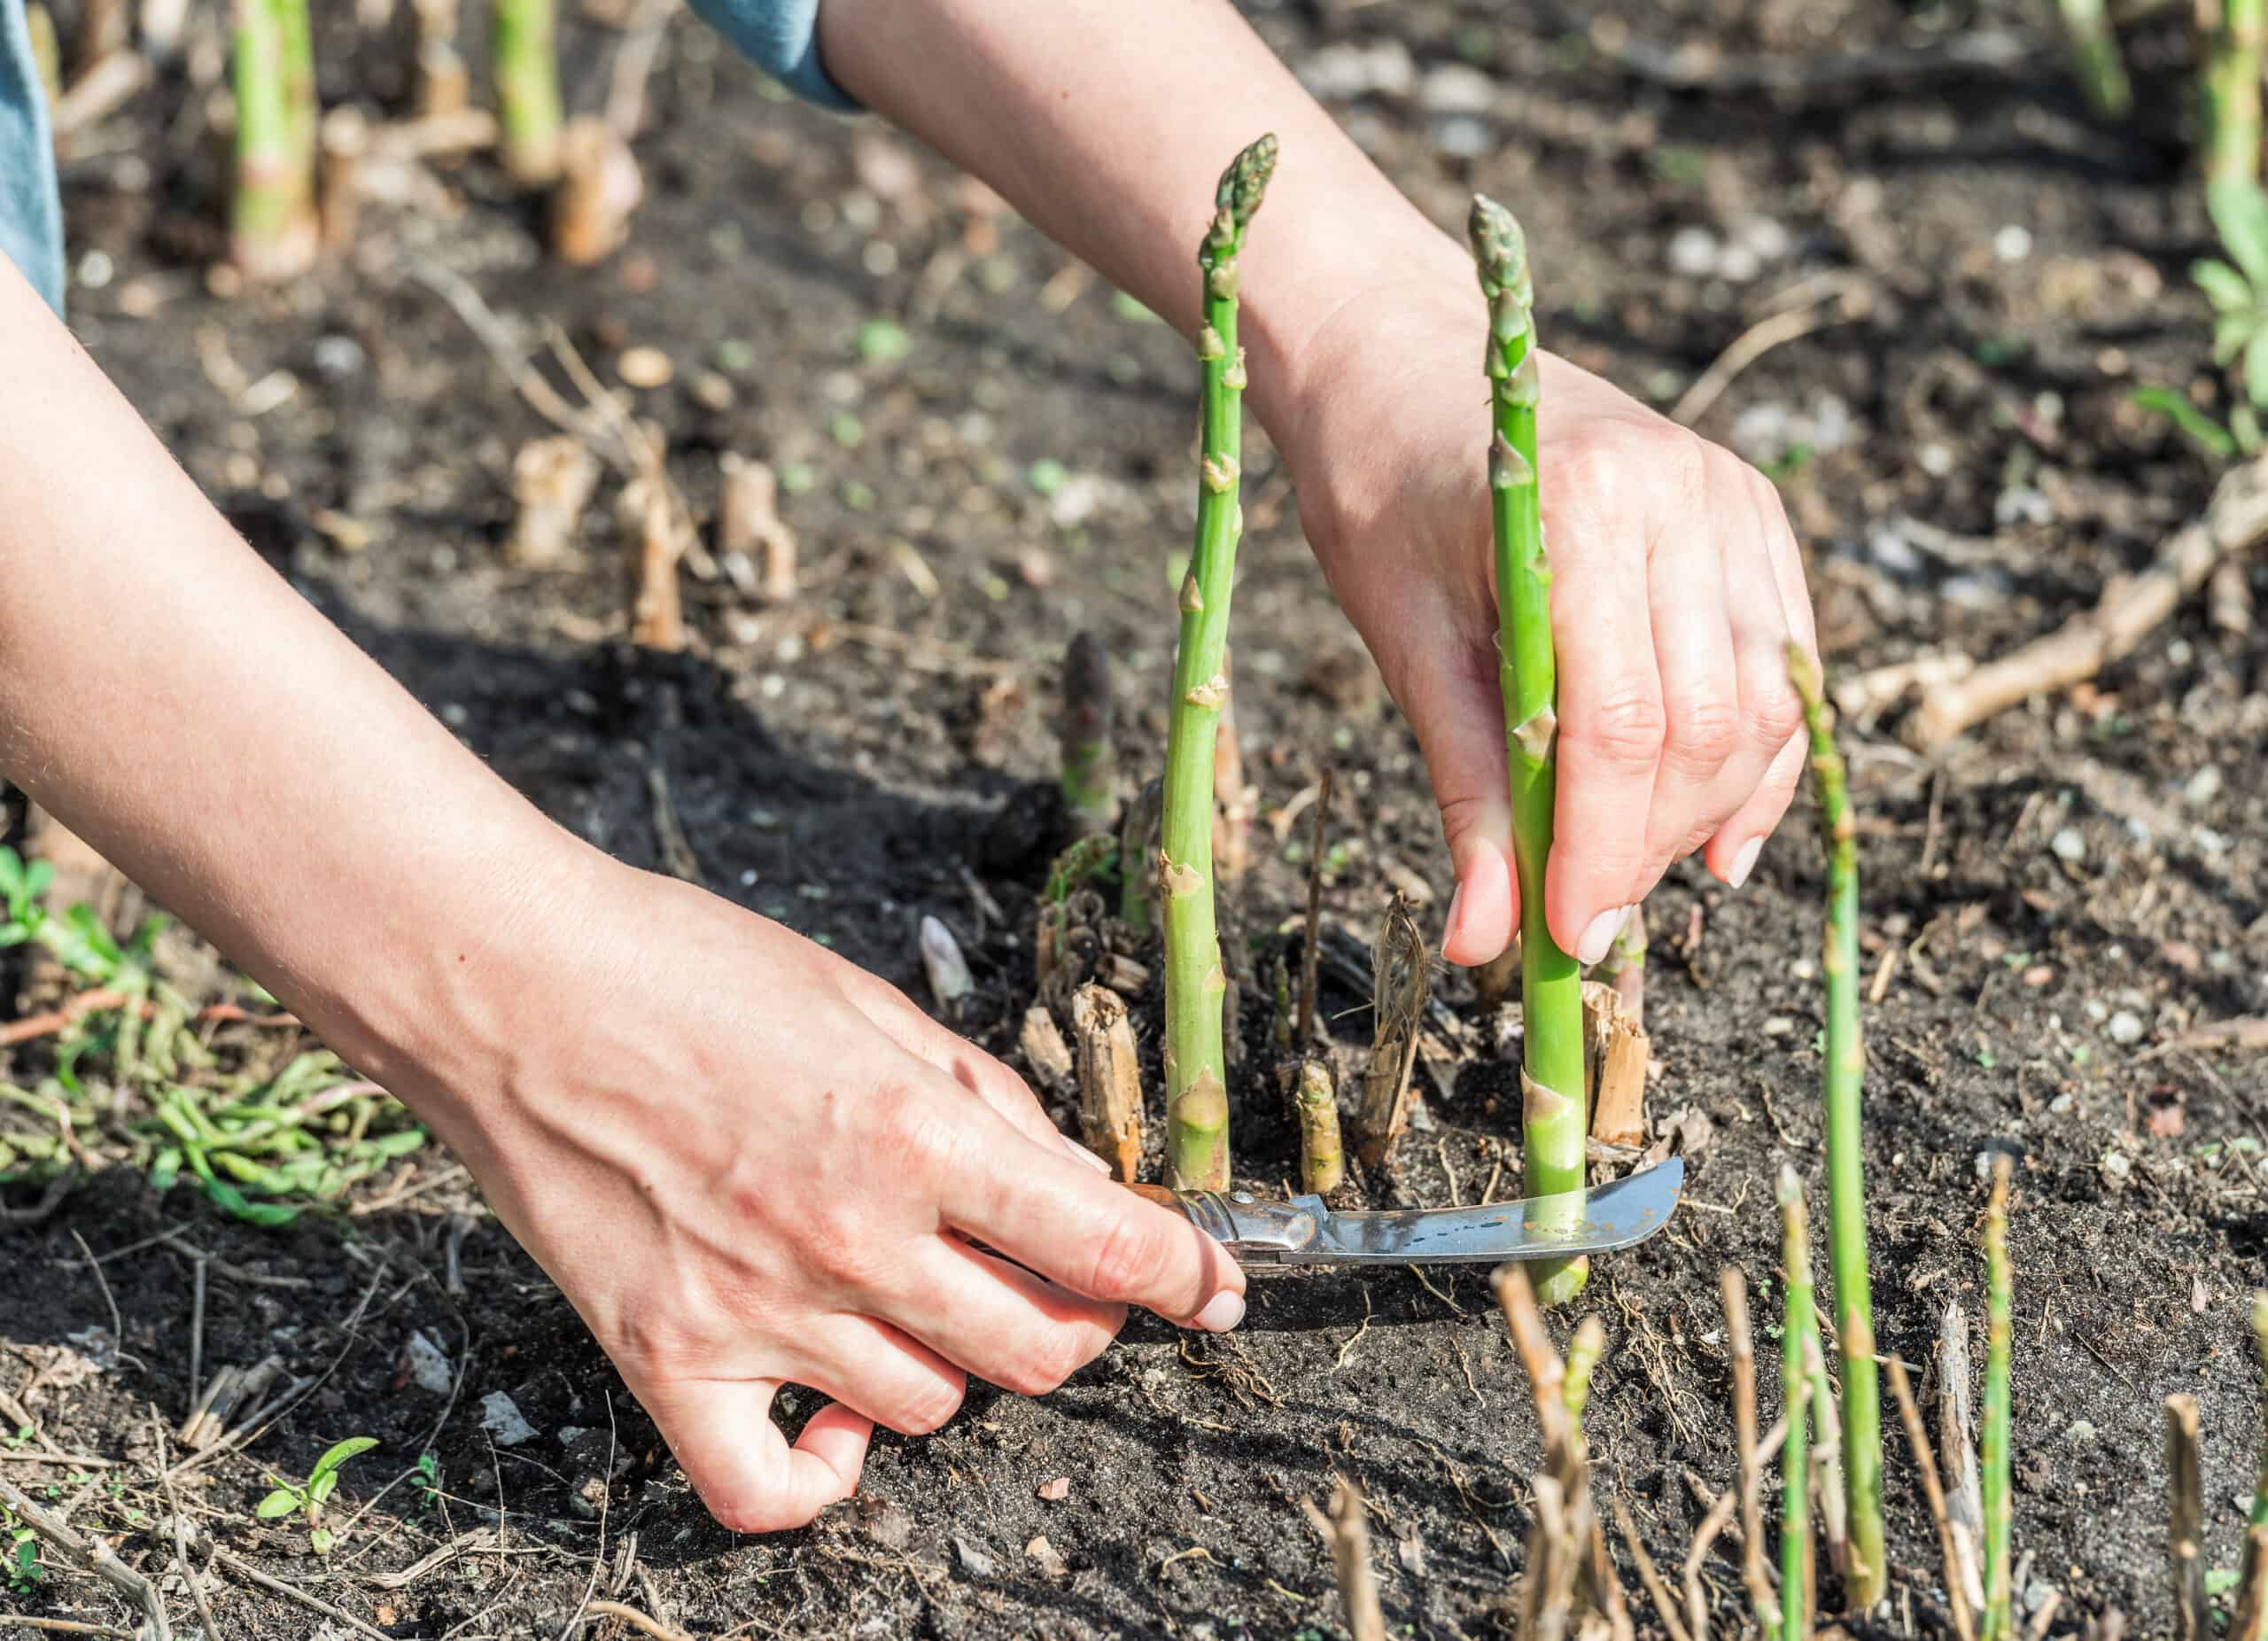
column 1551, row 1073
column 1197, row 1090
column 310, row 1495
column 2236, row 284
column 1846, row 1190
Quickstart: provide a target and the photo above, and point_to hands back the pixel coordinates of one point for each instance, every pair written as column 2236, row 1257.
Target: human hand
column 749, row 1164
column 1676, row 589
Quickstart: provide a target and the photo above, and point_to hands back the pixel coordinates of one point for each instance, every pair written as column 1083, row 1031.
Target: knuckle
column 1126, row 1260
column 1624, row 729
column 1044, row 1364
column 1701, row 733
column 1776, row 714
column 931, row 1410
column 1461, row 816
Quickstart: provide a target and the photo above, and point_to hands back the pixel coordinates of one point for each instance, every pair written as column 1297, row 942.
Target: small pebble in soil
column 2013, row 243
column 974, row 1561
column 1778, row 1025
column 1461, row 137
column 2080, row 1431
column 501, row 1419
column 2069, row 845
column 2125, row 1027
column 1935, row 460
column 1055, row 1488
column 2203, row 788
column 1456, row 89
column 338, row 358
column 644, row 367
column 2117, row 1167
column 428, row 1364
column 1693, row 253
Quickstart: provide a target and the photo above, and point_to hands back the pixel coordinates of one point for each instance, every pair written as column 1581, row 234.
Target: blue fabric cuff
column 31, row 217
column 780, row 37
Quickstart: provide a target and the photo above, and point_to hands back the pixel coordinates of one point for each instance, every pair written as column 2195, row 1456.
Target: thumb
column 1456, row 707
column 721, row 1432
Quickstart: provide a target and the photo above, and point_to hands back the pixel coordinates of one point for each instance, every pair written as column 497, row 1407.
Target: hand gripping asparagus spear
column 1551, row 1076
column 1197, row 1093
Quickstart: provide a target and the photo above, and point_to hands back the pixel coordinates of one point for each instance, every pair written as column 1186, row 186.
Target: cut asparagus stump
column 1847, row 1207
column 1551, row 1074
column 1197, row 1092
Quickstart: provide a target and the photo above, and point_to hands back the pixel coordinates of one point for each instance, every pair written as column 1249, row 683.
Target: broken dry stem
column 1551, row 1074
column 2186, row 1532
column 1761, row 1597
column 1844, row 1067
column 1933, row 1492
column 1197, row 1111
column 2000, row 1612
column 1347, row 1533
column 1400, row 981
column 1312, row 935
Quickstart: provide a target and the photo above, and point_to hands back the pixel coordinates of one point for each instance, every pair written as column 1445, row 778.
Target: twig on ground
column 635, row 1619
column 1345, row 1530
column 110, row 1303
column 2186, row 1509
column 180, row 1533
column 1650, row 1575
column 1925, row 1460
column 66, row 1626
column 292, row 1592
column 1848, row 300
column 1761, row 1597
column 1957, row 1450
column 2129, row 607
column 1704, row 1536
column 87, row 1555
column 1311, row 938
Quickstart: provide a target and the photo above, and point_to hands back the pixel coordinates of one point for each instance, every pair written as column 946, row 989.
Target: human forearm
column 174, row 701
column 1106, row 124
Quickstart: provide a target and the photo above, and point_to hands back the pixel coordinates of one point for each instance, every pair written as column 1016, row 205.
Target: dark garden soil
column 2051, row 906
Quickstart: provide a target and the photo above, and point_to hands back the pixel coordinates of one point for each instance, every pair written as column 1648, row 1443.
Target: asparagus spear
column 527, row 90
column 1799, row 1360
column 2233, row 95
column 1090, row 755
column 1846, row 1199
column 1551, row 1076
column 2000, row 1620
column 272, row 227
column 1197, row 1093
column 1323, row 1156
column 2095, row 55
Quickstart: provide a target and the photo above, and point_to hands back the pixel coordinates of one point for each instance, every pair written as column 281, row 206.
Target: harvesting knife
column 1264, row 1235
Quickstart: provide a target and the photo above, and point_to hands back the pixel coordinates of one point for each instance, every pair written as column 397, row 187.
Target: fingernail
column 1222, row 1312
column 1600, row 936
column 1745, row 862
column 1448, row 925
column 1082, row 1153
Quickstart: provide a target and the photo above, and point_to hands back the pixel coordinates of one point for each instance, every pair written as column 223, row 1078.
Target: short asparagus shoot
column 273, row 230
column 527, row 90
column 1089, row 772
column 1551, row 1074
column 1197, row 1091
column 2000, row 1615
column 1846, row 1199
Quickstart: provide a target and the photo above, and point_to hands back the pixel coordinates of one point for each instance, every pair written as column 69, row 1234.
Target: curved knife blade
column 1303, row 1231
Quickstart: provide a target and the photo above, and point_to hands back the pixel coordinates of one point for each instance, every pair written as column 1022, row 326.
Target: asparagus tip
column 1498, row 246
column 1246, row 180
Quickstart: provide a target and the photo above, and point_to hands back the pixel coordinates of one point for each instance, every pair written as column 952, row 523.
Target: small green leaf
column 2205, row 432
column 2220, row 1580
column 321, row 1487
column 281, row 1501
column 2224, row 287
column 37, row 876
column 883, row 340
column 2231, row 332
column 339, row 1452
column 2256, row 369
column 320, row 1541
column 2244, row 425
column 2240, row 212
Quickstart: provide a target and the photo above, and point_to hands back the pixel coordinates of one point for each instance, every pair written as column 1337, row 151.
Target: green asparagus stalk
column 1551, row 1076
column 1797, row 1357
column 300, row 79
column 273, row 230
column 2233, row 62
column 1197, row 1093
column 527, row 90
column 1846, row 1201
column 2096, row 56
column 1090, row 774
column 1999, row 1619
column 1583, row 1353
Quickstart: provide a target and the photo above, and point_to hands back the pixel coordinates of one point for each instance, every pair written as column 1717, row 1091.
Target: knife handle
column 1247, row 1226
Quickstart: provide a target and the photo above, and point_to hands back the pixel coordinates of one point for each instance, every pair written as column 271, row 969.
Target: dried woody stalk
column 1400, row 981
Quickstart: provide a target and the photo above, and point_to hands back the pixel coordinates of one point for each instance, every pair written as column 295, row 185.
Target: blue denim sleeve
column 31, row 221
column 781, row 37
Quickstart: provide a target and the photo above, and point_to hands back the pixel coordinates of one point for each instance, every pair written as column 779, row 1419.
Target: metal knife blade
column 1303, row 1231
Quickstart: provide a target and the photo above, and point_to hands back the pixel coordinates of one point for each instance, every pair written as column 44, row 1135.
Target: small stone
column 338, row 358
column 1766, row 237
column 501, row 1419
column 1935, row 459
column 1693, row 253
column 644, row 367
column 1739, row 264
column 1778, row 1025
column 2203, row 788
column 1456, row 89
column 1047, row 1558
column 712, row 390
column 2117, row 1168
column 2080, row 1431
column 1461, row 137
column 1893, row 553
column 2038, row 975
column 2013, row 243
column 1983, row 1164
column 973, row 1560
column 2125, row 1027
column 1056, row 1488
column 430, row 1369
column 2069, row 845
column 96, row 269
